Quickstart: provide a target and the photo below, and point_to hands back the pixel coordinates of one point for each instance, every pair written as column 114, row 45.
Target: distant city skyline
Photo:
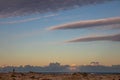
column 73, row 32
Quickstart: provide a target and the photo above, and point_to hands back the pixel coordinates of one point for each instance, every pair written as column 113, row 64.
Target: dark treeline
column 56, row 67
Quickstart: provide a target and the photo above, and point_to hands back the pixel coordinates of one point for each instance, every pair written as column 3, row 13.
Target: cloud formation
column 28, row 20
column 115, row 37
column 10, row 8
column 88, row 24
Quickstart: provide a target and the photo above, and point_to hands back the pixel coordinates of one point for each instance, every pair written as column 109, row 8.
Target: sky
column 70, row 32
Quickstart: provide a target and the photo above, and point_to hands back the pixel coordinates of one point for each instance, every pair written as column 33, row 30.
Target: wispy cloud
column 115, row 37
column 28, row 20
column 88, row 24
column 10, row 8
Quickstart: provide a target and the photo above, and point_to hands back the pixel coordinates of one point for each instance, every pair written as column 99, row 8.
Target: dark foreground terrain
column 74, row 76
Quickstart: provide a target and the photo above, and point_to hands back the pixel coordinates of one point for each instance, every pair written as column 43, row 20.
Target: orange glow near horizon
column 73, row 67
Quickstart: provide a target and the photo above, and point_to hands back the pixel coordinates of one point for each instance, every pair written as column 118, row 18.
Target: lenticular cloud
column 115, row 37
column 87, row 24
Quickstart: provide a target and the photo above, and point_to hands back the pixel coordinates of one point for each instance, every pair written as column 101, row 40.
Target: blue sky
column 26, row 40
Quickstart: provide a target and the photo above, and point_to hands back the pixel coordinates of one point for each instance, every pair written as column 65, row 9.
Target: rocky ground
column 74, row 76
